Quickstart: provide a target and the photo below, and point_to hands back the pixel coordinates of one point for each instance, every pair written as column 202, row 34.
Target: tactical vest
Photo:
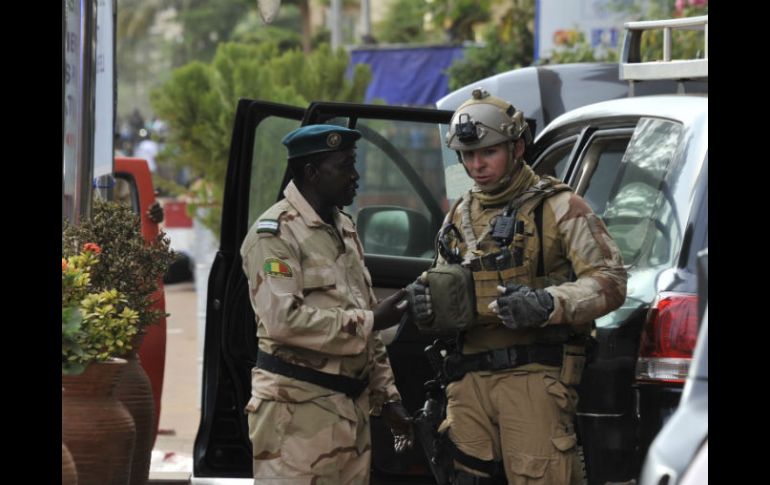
column 520, row 260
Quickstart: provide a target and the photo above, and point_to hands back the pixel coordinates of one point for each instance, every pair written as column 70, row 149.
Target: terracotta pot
column 97, row 429
column 135, row 392
column 69, row 475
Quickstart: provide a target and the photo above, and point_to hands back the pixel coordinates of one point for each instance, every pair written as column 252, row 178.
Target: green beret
column 318, row 139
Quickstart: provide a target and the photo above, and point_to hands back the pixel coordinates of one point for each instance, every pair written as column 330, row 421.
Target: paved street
column 180, row 404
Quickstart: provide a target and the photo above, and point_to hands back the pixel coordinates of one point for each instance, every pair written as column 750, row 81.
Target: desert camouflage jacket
column 312, row 296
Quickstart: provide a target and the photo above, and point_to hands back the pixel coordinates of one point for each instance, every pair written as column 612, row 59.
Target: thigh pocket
column 524, row 465
column 267, row 428
column 315, row 438
column 564, row 396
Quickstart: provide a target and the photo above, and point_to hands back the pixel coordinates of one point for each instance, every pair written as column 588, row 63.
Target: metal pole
column 366, row 22
column 85, row 152
column 336, row 27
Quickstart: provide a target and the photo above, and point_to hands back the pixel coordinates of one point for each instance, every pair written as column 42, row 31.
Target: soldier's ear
column 518, row 148
column 311, row 172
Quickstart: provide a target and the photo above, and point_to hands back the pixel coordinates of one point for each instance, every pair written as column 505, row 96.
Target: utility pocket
column 530, row 466
column 486, row 282
column 574, row 361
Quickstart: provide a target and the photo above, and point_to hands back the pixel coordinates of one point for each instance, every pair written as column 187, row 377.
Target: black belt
column 347, row 385
column 457, row 365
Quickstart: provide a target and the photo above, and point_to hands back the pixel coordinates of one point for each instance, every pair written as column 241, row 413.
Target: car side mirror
column 395, row 231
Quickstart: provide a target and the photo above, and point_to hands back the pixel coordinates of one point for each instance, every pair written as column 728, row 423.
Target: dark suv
column 642, row 163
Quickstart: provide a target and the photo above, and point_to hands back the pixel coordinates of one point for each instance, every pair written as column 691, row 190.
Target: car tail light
column 668, row 338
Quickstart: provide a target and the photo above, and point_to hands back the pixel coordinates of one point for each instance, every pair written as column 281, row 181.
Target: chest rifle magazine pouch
column 452, row 298
column 485, row 287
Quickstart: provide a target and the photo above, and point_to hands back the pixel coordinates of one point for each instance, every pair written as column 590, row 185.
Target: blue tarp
column 413, row 76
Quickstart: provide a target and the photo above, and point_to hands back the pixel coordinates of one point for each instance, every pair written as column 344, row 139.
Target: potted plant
column 133, row 268
column 97, row 324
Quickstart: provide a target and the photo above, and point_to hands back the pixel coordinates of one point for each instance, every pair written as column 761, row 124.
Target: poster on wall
column 559, row 23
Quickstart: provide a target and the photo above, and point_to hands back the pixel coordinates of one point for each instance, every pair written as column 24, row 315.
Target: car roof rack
column 633, row 69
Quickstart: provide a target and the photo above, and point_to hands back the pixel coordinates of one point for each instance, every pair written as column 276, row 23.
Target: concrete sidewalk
column 180, row 403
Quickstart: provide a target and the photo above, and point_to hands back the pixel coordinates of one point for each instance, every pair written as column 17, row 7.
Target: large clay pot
column 69, row 475
column 97, row 429
column 135, row 392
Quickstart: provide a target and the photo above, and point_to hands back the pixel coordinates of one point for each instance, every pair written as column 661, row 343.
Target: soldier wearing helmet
column 543, row 268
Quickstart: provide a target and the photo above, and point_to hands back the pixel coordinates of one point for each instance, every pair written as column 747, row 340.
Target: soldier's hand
column 155, row 212
column 419, row 299
column 399, row 422
column 388, row 312
column 520, row 306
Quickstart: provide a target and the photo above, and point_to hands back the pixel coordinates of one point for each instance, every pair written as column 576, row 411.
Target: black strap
column 347, row 385
column 490, row 467
column 457, row 365
column 539, row 229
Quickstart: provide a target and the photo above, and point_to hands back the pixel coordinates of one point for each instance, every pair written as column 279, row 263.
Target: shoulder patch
column 276, row 267
column 267, row 225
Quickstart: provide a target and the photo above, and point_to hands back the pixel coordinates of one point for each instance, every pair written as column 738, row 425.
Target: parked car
column 677, row 453
column 641, row 163
column 133, row 187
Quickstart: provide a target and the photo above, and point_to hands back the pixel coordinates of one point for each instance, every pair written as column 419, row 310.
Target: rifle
column 428, row 418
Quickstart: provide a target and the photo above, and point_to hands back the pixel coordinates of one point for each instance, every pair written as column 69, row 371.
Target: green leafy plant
column 126, row 263
column 199, row 102
column 95, row 325
column 507, row 45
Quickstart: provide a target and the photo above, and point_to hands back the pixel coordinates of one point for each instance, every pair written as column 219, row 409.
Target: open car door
column 400, row 205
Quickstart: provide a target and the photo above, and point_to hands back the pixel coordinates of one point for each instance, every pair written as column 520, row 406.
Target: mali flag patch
column 276, row 267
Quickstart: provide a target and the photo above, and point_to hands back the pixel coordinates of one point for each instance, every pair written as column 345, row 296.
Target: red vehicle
column 134, row 185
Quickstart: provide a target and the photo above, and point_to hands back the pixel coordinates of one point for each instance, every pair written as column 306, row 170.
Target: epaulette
column 269, row 222
column 268, row 226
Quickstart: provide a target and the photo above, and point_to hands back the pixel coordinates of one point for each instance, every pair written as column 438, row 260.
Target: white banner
column 104, row 121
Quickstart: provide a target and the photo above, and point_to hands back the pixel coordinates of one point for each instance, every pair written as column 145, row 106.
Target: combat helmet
column 485, row 120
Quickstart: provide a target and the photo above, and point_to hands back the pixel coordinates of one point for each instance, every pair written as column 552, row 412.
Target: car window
column 554, row 161
column 600, row 165
column 268, row 163
column 639, row 209
column 125, row 191
column 384, row 185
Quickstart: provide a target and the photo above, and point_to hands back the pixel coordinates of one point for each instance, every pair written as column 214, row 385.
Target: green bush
column 126, row 263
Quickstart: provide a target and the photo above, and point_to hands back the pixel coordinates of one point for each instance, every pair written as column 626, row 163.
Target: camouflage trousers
column 524, row 418
column 304, row 443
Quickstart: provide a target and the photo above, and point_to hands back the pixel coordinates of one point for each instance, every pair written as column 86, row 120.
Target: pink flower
column 93, row 247
column 679, row 6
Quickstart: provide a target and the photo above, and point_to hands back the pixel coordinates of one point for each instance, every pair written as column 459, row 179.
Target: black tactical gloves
column 399, row 422
column 520, row 306
column 418, row 294
column 388, row 312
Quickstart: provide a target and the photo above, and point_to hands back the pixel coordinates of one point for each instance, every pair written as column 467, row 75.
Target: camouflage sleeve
column 382, row 384
column 278, row 300
column 601, row 278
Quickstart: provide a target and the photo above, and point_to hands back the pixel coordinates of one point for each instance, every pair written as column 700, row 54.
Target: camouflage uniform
column 524, row 416
column 312, row 296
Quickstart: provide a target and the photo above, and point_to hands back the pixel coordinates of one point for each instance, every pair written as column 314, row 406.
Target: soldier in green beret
column 322, row 368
